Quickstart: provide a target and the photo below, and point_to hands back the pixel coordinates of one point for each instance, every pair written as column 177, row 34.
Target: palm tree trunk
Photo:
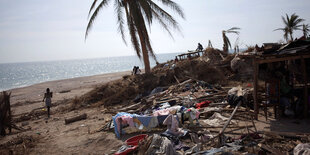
column 225, row 49
column 144, row 53
column 291, row 34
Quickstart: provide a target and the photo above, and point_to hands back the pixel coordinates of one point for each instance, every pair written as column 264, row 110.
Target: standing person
column 199, row 48
column 48, row 100
column 176, row 59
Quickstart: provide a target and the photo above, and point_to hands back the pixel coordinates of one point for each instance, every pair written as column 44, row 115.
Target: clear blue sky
column 39, row 30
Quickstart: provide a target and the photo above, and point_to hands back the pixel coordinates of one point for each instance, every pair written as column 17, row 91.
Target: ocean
column 15, row 75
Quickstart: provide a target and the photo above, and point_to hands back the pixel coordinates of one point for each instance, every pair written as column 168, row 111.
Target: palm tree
column 305, row 29
column 291, row 23
column 285, row 31
column 225, row 38
column 138, row 13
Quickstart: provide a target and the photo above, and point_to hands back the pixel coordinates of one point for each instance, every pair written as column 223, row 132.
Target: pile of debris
column 186, row 107
column 5, row 113
column 195, row 117
column 22, row 144
column 125, row 90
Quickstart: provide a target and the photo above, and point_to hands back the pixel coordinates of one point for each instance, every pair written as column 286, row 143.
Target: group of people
column 135, row 70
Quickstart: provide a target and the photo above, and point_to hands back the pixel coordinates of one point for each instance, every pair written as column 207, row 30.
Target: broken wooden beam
column 76, row 118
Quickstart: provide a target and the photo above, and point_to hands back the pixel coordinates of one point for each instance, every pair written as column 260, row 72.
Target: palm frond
column 92, row 7
column 236, row 32
column 174, row 6
column 162, row 23
column 133, row 33
column 147, row 11
column 234, row 28
column 227, row 41
column 166, row 16
column 120, row 20
column 94, row 15
column 279, row 29
column 285, row 20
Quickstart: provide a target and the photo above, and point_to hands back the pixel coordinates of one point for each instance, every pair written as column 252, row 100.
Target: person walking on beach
column 48, row 100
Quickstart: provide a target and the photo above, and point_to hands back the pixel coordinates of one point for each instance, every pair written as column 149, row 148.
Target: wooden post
column 255, row 79
column 221, row 138
column 230, row 118
column 304, row 73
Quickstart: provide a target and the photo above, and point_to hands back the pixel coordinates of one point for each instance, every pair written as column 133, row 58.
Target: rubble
column 187, row 107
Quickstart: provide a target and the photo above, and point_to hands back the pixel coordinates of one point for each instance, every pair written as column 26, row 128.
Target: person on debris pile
column 138, row 71
column 48, row 100
column 199, row 48
column 176, row 59
column 134, row 70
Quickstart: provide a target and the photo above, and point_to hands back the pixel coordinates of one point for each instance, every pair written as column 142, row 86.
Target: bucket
column 134, row 141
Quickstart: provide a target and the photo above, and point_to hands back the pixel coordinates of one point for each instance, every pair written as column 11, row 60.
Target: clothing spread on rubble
column 190, row 114
column 173, row 125
column 123, row 119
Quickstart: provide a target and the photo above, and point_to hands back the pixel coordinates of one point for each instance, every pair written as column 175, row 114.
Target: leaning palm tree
column 291, row 23
column 305, row 29
column 225, row 38
column 139, row 14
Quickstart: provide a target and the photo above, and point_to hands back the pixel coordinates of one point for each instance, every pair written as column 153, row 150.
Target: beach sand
column 30, row 97
column 51, row 135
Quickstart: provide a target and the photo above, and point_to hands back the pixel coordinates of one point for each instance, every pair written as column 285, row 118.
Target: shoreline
column 62, row 89
column 72, row 78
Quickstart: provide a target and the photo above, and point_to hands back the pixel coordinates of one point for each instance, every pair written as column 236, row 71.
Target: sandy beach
column 62, row 89
column 71, row 138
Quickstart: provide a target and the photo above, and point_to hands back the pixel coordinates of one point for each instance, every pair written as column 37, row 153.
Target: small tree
column 305, row 29
column 290, row 24
column 226, row 41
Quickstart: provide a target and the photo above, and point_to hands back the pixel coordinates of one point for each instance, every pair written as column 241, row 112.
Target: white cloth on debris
column 217, row 119
column 173, row 125
column 302, row 149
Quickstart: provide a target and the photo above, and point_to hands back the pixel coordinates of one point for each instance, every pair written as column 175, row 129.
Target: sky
column 41, row 30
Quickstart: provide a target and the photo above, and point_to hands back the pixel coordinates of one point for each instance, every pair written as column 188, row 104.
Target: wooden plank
column 295, row 135
column 230, row 118
column 255, row 78
column 176, row 79
column 270, row 149
column 288, row 57
column 304, row 73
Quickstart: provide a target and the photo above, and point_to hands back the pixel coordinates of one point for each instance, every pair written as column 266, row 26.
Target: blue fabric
column 145, row 120
column 161, row 118
column 118, row 115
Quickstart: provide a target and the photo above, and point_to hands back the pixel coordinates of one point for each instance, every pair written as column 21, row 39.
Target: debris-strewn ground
column 101, row 100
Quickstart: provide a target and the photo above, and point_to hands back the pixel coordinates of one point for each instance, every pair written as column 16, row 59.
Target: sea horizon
column 22, row 74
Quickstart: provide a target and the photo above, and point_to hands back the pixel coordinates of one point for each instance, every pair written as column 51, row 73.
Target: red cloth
column 203, row 104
